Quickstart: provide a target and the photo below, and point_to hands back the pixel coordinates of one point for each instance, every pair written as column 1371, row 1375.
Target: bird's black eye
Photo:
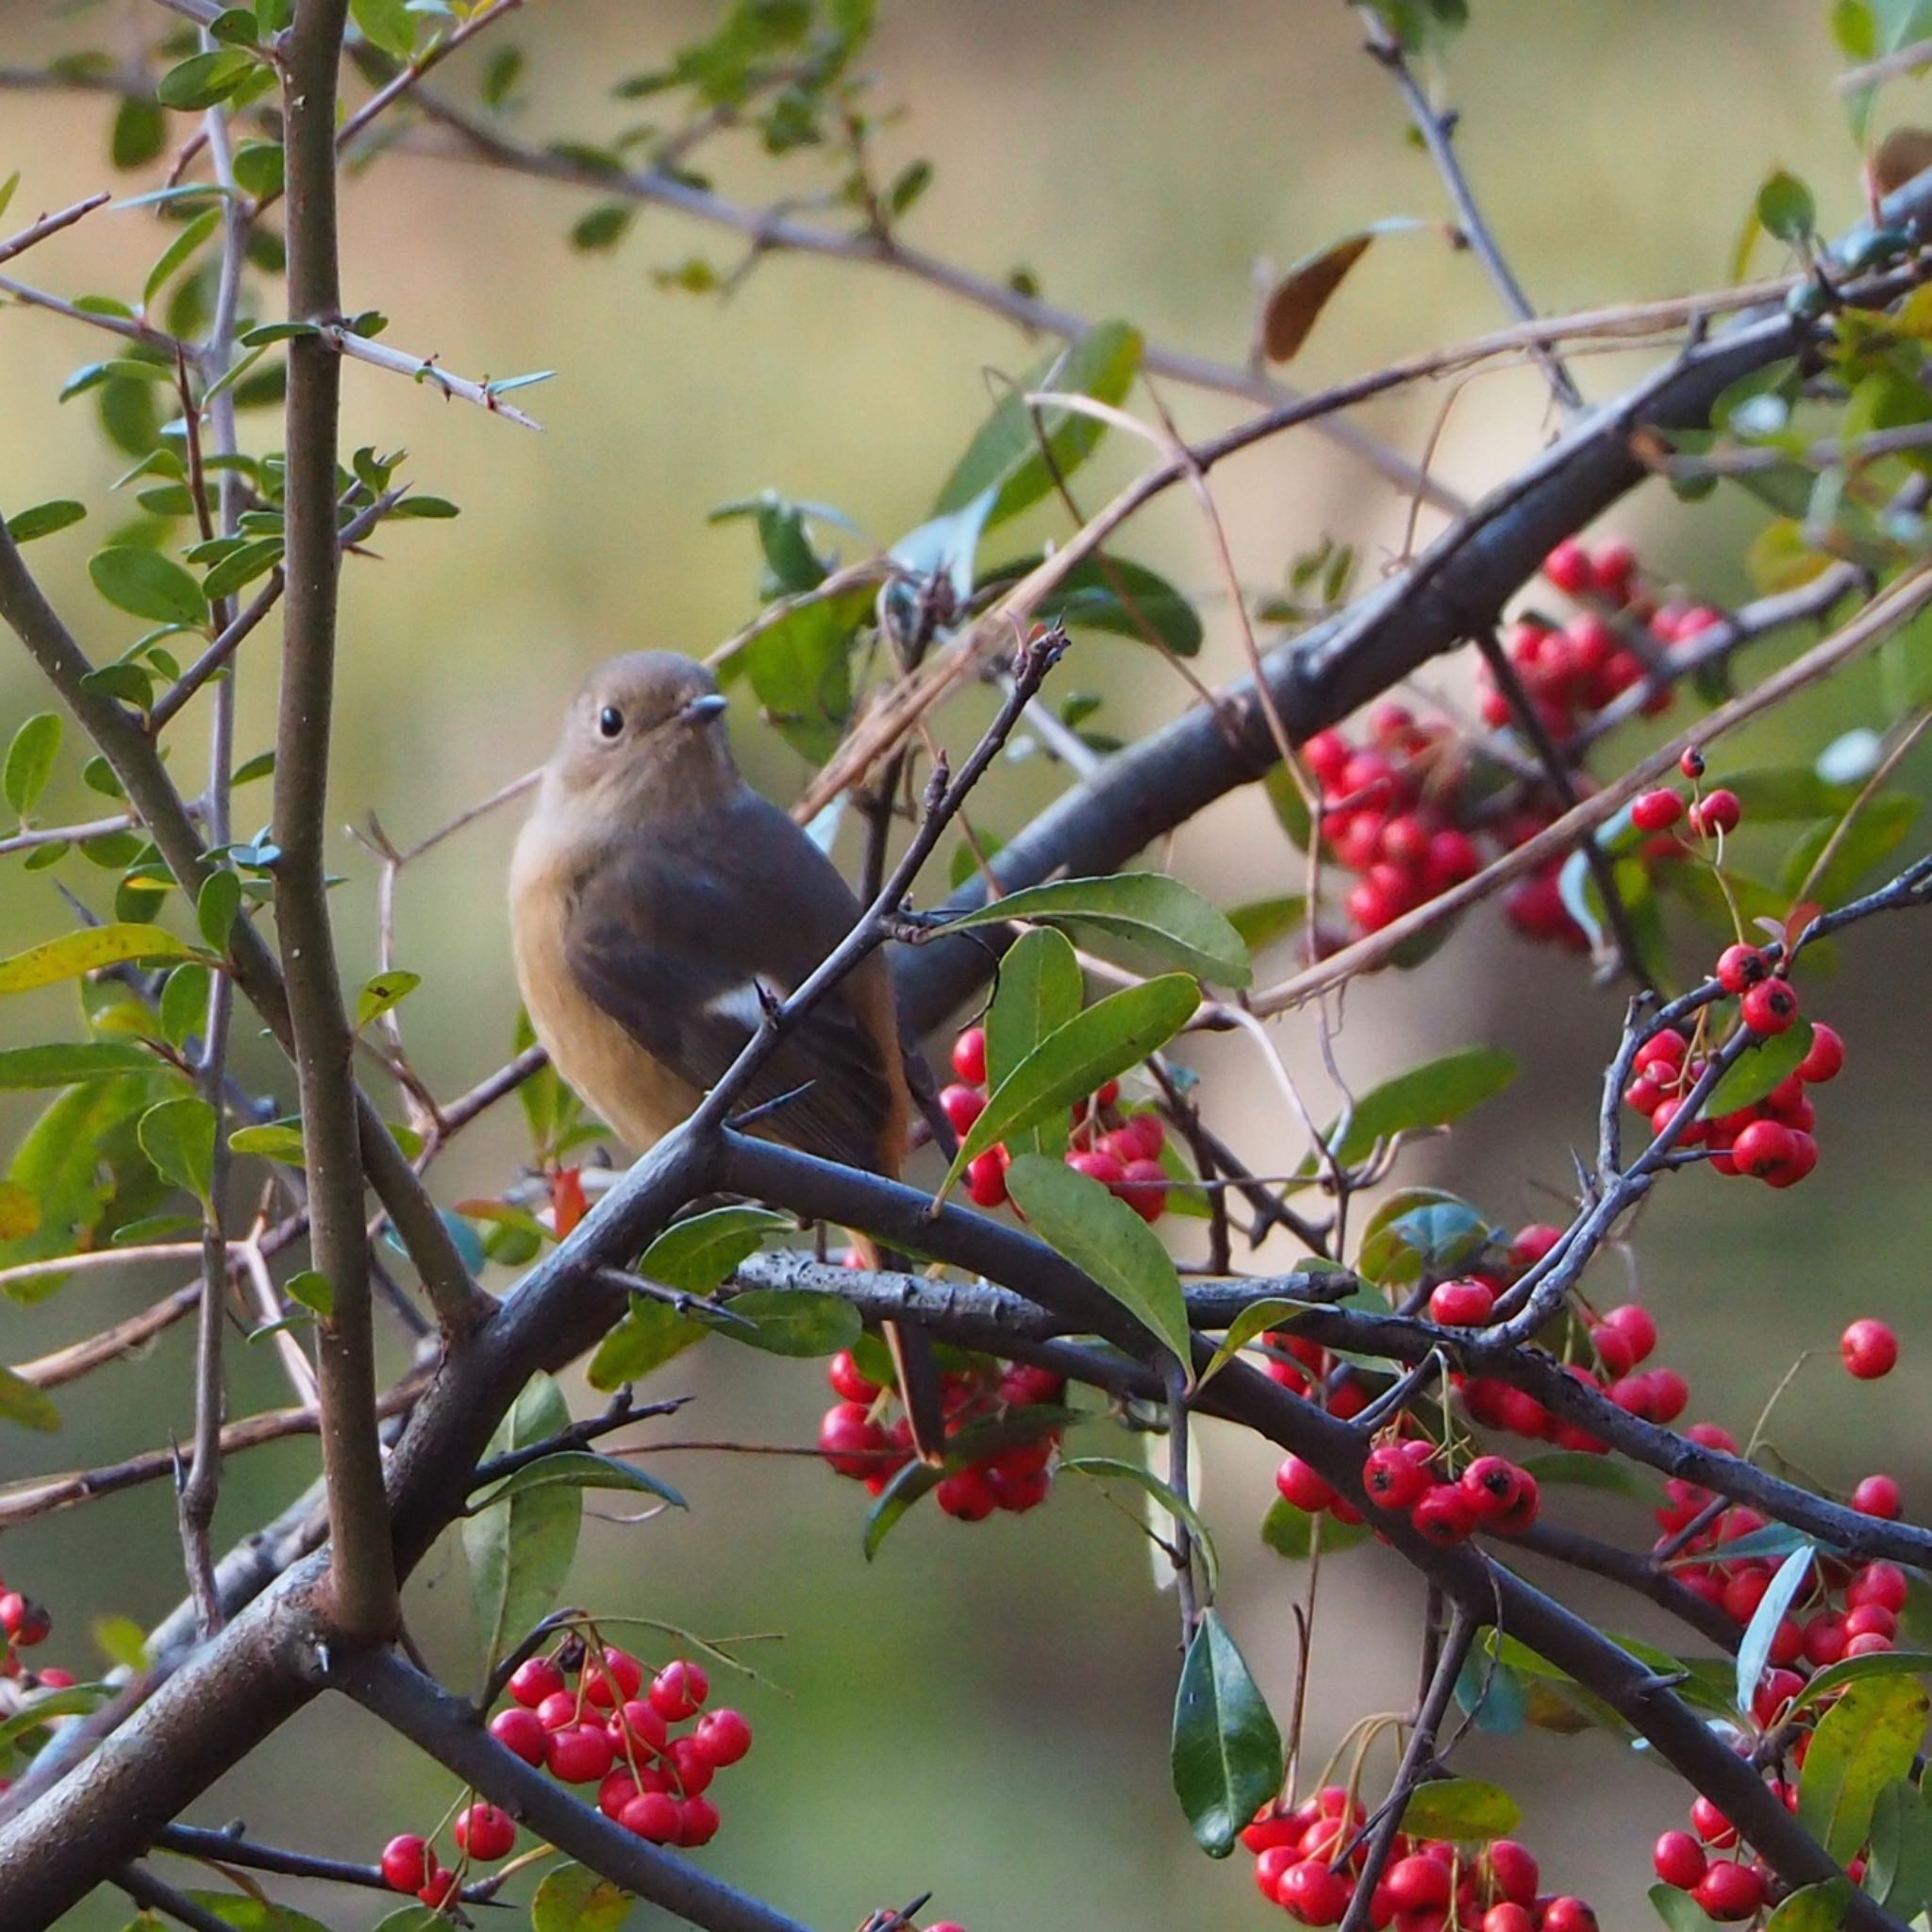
column 610, row 722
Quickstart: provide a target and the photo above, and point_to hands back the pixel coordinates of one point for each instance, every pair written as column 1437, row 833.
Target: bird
column 658, row 902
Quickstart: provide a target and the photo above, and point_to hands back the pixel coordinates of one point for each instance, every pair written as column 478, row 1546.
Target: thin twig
column 344, row 342
column 51, row 224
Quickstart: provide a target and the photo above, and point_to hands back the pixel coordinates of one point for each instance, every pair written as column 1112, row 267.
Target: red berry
column 722, row 1737
column 1740, row 967
column 1712, row 1827
column 1491, row 1486
column 1462, row 1304
column 1305, row 1486
column 962, row 1105
column 851, row 1442
column 1824, row 1057
column 407, row 1862
column 1568, row 566
column 1528, row 1245
column 653, row 1816
column 532, row 1682
column 1637, row 1326
column 1313, row 1894
column 985, row 1177
column 1730, row 1891
column 1869, row 1349
column 1145, row 1188
column 579, row 1754
column 1326, row 754
column 1680, row 1859
column 1657, row 811
column 1615, row 564
column 1872, row 1643
column 1568, row 1915
column 1514, row 1870
column 486, row 1833
column 1877, row 1495
column 1716, row 811
column 608, row 1681
column 1140, row 1136
column 438, row 1888
column 697, row 1822
column 1665, row 1049
column 1770, row 1007
column 1869, row 1620
column 693, row 1770
column 969, row 1056
column 1883, row 1584
column 1096, row 1166
column 1508, row 1917
column 1398, row 1475
column 1418, row 1882
column 1764, row 1150
column 679, row 1689
column 638, row 1723
column 1443, row 1516
column 848, row 1380
column 1691, row 763
column 967, row 1496
column 558, row 1710
column 519, row 1730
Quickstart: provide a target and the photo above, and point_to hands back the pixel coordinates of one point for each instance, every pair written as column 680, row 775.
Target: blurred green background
column 983, row 1710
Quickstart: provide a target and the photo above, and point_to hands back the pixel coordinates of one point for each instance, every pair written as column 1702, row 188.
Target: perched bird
column 653, row 894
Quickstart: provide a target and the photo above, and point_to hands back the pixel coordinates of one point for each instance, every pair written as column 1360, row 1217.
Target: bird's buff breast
column 629, row 1092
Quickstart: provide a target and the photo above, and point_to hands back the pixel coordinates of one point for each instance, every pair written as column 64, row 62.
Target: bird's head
column 645, row 731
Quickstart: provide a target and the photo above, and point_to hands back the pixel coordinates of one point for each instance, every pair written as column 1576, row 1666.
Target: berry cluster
column 611, row 1730
column 1308, row 1858
column 857, row 1440
column 1402, row 1476
column 1120, row 1150
column 1771, row 1139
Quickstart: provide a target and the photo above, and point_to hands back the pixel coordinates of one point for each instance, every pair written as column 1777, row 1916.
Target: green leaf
column 203, row 79
column 1170, row 1499
column 312, row 1289
column 242, row 566
column 1006, row 454
column 43, row 519
column 20, row 1211
column 793, row 1321
column 1578, row 1469
column 1898, row 1875
column 145, row 583
column 88, row 950
column 59, row 1165
column 520, row 1557
column 1261, row 922
column 1112, row 1035
column 1291, row 1532
column 1756, row 1648
column 177, row 251
column 260, row 167
column 1679, row 1911
column 63, row 1063
column 1036, row 992
column 141, row 132
column 801, row 669
column 249, row 1914
column 1418, row 1228
column 30, row 761
column 1111, row 594
column 184, row 1002
column 178, row 1135
column 1759, row 1069
column 384, row 992
column 1077, row 1217
column 1813, row 1909
column 1462, row 1809
column 577, row 1469
column 1879, row 828
column 389, row 23
column 1786, row 208
column 31, row 1407
column 573, row 1899
column 1848, row 1670
column 1257, row 1319
column 273, row 1140
column 73, row 1700
column 701, row 1251
column 1431, row 1095
column 1862, row 1743
column 646, row 1339
column 1151, row 909
column 1226, row 1753
column 121, row 1640
column 216, row 906
column 1786, row 792
column 1904, row 669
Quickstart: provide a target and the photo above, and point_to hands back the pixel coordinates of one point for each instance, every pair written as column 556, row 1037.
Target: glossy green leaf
column 22, row 1402
column 801, row 668
column 1578, row 1469
column 272, row 1141
column 43, row 519
column 701, row 1251
column 1813, row 1909
column 1111, row 594
column 312, row 1289
column 1755, row 1650
column 973, row 1444
column 242, row 566
column 58, row 1164
column 75, row 1700
column 1493, row 1693
column 574, row 1899
column 1879, row 828
column 577, row 1469
column 249, row 1914
column 177, row 252
column 184, row 1002
column 1079, row 1219
column 30, row 761
column 1862, row 1743
column 1679, row 1911
column 1113, row 1468
column 1226, row 1752
column 390, row 23
column 1418, row 1228
column 1006, row 456
column 1262, row 922
column 140, row 133
column 1431, row 1095
column 1112, row 1035
column 1759, row 1069
column 1151, row 909
column 178, row 1135
column 1253, row 1321
column 145, row 583
column 65, row 1062
column 1291, row 1532
column 794, row 1322
column 1898, row 1872
column 384, row 992
column 1848, row 1670
column 121, row 1640
column 1462, row 1809
column 203, row 79
column 216, row 906
column 1036, row 992
column 87, row 951
column 1786, row 208
column 519, row 1557
column 646, row 1339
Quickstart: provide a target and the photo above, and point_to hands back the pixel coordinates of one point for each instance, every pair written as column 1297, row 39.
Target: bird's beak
column 700, row 708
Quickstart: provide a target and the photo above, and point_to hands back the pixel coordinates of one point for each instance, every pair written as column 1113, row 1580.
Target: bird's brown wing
column 673, row 937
